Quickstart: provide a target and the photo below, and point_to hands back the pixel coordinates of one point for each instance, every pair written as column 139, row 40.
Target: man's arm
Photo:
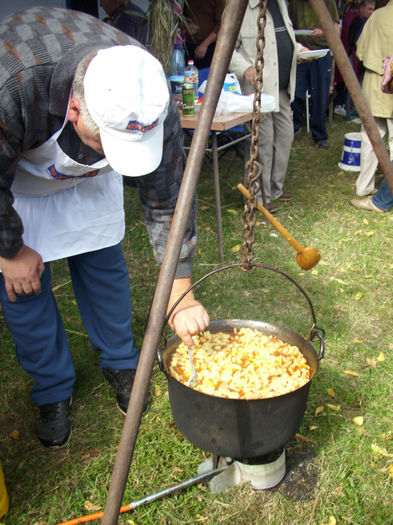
column 158, row 194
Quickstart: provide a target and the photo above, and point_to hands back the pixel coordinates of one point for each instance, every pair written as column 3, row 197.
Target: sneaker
column 285, row 197
column 53, row 425
column 366, row 204
column 122, row 382
column 340, row 110
column 323, row 144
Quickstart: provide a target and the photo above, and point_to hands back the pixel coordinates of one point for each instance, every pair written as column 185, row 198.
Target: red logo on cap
column 134, row 125
column 61, row 176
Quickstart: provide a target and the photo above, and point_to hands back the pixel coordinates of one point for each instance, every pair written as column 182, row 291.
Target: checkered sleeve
column 159, row 192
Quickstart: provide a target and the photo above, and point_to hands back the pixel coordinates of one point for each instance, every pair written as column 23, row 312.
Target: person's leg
column 102, row 290
column 282, row 142
column 265, row 152
column 383, row 199
column 320, row 74
column 302, row 84
column 389, row 125
column 40, row 342
column 365, row 183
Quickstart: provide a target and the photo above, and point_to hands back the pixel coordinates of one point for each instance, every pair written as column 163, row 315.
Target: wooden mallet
column 307, row 256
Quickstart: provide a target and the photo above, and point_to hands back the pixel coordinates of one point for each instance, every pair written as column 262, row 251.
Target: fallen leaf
column 157, row 390
column 14, row 434
column 323, row 263
column 368, row 276
column 358, row 232
column 314, row 271
column 131, row 522
column 386, row 437
column 391, row 470
column 371, row 362
column 236, row 248
column 365, row 221
column 177, row 469
column 331, row 392
column 233, row 212
column 379, row 451
column 318, row 410
column 357, row 341
column 351, row 373
column 332, row 521
column 94, row 452
column 85, row 456
column 358, row 420
column 380, row 357
column 299, row 437
column 336, row 408
column 203, row 208
column 358, row 296
column 340, row 492
column 91, row 507
column 312, row 427
column 370, row 233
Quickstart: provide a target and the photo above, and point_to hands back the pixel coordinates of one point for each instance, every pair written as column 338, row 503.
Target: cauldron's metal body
column 234, row 427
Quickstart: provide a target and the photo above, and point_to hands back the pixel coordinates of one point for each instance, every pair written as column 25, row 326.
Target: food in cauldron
column 243, row 364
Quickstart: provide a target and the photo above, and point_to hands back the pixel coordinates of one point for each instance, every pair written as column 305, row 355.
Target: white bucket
column 350, row 158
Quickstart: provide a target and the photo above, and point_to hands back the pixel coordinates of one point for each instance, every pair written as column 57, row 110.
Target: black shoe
column 122, row 382
column 323, row 144
column 53, row 425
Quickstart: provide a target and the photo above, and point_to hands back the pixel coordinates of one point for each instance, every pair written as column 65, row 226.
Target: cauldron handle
column 316, row 331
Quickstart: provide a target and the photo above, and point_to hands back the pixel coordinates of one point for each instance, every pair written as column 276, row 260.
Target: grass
column 334, row 468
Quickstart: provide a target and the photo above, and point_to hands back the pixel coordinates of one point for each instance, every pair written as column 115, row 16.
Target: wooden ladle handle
column 307, row 256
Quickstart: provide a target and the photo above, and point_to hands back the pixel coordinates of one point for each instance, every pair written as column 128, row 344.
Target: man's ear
column 74, row 110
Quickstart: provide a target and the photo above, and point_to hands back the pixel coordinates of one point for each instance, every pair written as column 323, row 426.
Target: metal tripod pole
column 354, row 88
column 230, row 26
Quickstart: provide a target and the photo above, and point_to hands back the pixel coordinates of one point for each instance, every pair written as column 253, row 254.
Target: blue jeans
column 102, row 291
column 383, row 198
column 313, row 76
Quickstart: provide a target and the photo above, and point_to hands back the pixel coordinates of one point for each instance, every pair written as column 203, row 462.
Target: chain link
column 254, row 181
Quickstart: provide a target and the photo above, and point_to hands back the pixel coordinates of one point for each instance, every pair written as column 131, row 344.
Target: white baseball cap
column 127, row 95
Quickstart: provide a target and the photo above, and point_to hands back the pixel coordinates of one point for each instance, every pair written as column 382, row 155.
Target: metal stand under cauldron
column 262, row 473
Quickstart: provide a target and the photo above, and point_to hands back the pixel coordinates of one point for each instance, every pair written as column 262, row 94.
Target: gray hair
column 78, row 90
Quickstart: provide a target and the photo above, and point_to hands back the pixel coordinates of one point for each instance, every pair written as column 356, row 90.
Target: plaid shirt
column 41, row 48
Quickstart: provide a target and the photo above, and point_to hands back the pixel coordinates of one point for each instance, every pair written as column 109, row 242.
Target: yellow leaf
column 299, row 437
column 391, row 470
column 351, row 373
column 358, row 232
column 358, row 420
column 368, row 276
column 91, row 507
column 318, row 410
column 157, row 390
column 331, row 392
column 357, row 341
column 313, row 427
column 371, row 362
column 336, row 408
column 365, row 221
column 85, row 456
column 236, row 248
column 233, row 212
column 370, row 233
column 314, row 271
column 380, row 357
column 332, row 521
column 379, row 451
column 14, row 434
column 131, row 522
column 323, row 263
column 358, row 296
column 203, row 208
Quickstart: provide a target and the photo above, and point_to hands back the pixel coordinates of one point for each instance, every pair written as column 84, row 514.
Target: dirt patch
column 301, row 476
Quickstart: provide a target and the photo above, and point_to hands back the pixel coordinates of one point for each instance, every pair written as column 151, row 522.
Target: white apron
column 67, row 208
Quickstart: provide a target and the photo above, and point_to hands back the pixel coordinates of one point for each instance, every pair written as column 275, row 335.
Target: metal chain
column 254, row 177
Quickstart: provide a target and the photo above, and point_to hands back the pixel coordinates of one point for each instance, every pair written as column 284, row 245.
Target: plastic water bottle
column 177, row 73
column 177, row 61
column 191, row 77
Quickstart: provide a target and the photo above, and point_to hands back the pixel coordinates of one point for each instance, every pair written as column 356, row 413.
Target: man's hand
column 22, row 273
column 250, row 76
column 189, row 317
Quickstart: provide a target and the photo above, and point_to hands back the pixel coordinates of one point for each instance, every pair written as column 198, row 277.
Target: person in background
column 279, row 80
column 374, row 44
column 129, row 18
column 203, row 23
column 314, row 76
column 74, row 119
column 380, row 202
